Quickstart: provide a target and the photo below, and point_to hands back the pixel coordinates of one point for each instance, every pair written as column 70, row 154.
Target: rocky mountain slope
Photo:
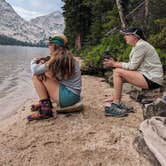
column 51, row 23
column 13, row 26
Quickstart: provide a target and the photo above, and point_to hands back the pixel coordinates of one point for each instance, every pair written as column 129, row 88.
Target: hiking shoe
column 127, row 108
column 115, row 110
column 122, row 106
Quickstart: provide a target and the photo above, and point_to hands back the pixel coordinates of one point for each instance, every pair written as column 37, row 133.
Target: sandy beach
column 87, row 138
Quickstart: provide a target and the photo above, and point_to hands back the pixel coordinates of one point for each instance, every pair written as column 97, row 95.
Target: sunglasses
column 50, row 38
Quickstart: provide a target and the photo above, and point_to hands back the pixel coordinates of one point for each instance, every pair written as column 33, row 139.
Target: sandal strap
column 38, row 117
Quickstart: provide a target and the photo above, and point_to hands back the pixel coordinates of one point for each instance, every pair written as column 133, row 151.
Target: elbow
column 35, row 71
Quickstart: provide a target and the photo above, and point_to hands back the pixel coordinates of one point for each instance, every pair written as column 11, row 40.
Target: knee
column 35, row 78
column 118, row 71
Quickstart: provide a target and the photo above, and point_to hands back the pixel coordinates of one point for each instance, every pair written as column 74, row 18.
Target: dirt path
column 82, row 139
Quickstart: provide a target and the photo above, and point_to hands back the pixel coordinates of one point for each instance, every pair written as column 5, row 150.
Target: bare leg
column 132, row 77
column 52, row 87
column 47, row 88
column 40, row 88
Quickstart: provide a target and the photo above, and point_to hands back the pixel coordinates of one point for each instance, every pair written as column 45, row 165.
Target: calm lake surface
column 15, row 77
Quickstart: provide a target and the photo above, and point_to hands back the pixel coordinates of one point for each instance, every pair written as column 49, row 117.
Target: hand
column 109, row 63
column 41, row 59
column 37, row 60
column 42, row 77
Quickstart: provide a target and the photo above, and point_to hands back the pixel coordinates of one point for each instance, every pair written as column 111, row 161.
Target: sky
column 29, row 9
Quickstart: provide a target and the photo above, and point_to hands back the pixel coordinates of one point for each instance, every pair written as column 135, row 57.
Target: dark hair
column 62, row 63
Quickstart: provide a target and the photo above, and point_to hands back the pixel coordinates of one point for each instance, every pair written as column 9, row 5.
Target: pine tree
column 99, row 10
column 77, row 20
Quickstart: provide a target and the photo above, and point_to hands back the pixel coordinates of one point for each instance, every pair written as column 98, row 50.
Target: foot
column 39, row 116
column 127, row 108
column 108, row 101
column 115, row 110
column 35, row 107
column 44, row 111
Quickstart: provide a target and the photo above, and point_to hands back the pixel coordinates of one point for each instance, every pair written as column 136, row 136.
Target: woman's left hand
column 42, row 77
column 109, row 63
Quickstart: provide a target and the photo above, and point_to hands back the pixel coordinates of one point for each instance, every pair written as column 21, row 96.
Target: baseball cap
column 58, row 39
column 136, row 31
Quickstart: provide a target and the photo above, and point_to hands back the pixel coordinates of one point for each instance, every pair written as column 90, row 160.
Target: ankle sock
column 46, row 103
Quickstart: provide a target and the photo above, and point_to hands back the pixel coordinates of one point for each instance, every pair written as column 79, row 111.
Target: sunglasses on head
column 50, row 38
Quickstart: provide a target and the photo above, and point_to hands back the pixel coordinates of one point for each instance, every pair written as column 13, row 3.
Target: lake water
column 15, row 77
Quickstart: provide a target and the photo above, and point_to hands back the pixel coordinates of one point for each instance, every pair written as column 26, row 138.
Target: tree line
column 5, row 40
column 93, row 26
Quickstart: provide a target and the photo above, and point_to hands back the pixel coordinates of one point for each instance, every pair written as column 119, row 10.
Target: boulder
column 70, row 109
column 141, row 147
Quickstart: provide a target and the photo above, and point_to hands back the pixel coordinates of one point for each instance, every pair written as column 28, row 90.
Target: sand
column 80, row 139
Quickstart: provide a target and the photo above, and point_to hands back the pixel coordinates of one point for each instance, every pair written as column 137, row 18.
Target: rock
column 74, row 108
column 89, row 70
column 142, row 95
column 141, row 147
column 164, row 85
column 156, row 108
column 108, row 75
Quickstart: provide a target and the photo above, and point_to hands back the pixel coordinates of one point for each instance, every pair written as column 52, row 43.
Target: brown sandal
column 37, row 107
column 38, row 116
column 44, row 111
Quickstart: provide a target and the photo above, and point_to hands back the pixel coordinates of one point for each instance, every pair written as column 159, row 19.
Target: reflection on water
column 15, row 76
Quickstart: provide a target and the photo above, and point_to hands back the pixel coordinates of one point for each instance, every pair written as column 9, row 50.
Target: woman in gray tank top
column 56, row 77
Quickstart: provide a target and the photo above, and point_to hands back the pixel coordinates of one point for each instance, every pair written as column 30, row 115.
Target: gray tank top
column 74, row 83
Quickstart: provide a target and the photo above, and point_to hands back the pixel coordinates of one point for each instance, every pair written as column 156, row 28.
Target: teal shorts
column 66, row 97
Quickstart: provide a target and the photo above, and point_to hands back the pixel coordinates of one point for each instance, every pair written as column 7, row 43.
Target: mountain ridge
column 34, row 31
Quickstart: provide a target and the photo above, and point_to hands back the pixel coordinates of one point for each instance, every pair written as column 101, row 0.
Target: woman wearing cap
column 143, row 70
column 56, row 77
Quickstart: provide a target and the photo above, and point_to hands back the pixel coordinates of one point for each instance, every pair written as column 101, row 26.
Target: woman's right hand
column 109, row 62
column 41, row 59
column 37, row 60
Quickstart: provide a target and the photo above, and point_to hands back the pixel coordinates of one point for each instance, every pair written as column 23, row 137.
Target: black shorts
column 151, row 84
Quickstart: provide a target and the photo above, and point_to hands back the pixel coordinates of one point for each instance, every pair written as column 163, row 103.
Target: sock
column 46, row 102
column 46, row 107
